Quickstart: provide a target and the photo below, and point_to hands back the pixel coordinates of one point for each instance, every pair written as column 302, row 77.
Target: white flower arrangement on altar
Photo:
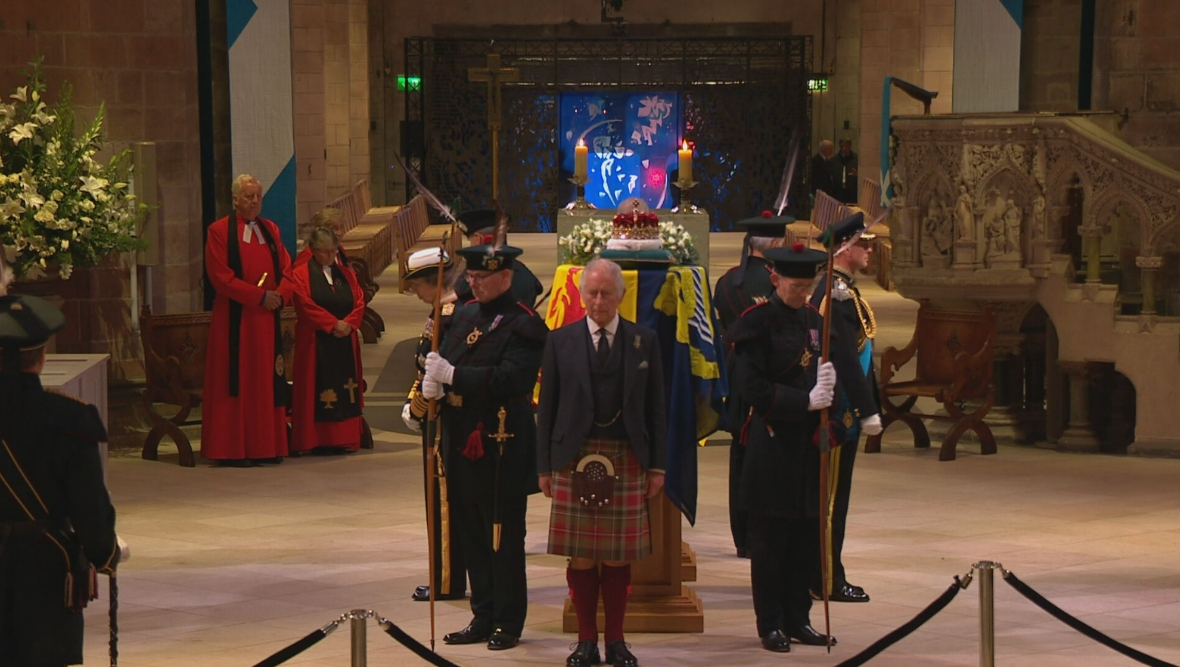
column 59, row 206
column 586, row 240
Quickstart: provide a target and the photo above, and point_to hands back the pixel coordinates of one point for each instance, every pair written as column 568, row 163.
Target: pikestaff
column 824, row 439
column 433, row 430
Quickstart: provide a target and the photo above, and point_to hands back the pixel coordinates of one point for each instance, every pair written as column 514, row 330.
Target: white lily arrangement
column 59, row 206
column 586, row 240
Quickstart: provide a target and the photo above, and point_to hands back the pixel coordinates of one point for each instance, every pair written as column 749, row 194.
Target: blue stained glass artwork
column 632, row 137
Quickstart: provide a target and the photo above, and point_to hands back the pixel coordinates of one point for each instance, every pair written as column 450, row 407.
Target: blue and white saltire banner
column 261, row 104
column 886, row 132
column 987, row 56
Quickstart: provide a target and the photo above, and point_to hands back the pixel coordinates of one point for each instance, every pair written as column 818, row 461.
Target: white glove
column 440, row 369
column 820, row 396
column 124, row 550
column 411, row 423
column 871, row 425
column 431, row 388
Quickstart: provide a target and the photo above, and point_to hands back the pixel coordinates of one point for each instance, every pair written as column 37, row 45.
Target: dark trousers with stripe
column 839, row 519
column 783, row 552
column 499, row 591
column 738, row 518
column 454, row 555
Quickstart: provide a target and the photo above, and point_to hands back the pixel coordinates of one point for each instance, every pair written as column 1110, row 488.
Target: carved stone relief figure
column 1037, row 230
column 965, row 215
column 993, row 222
column 1012, row 216
column 936, row 229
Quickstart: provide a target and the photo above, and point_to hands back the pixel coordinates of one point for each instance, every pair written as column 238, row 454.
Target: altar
column 82, row 376
column 676, row 303
column 696, row 224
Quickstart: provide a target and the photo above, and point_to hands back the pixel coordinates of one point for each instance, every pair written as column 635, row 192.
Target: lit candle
column 685, row 155
column 581, row 153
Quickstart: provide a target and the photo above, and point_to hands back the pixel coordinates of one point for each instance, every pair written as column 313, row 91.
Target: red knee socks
column 584, row 592
column 616, row 584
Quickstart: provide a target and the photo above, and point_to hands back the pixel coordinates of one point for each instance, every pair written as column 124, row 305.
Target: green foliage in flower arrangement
column 59, row 205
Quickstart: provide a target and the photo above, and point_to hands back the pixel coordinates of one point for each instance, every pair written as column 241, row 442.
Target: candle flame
column 685, row 144
column 581, row 144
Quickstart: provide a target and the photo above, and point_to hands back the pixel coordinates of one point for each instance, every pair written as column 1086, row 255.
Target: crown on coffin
column 636, row 225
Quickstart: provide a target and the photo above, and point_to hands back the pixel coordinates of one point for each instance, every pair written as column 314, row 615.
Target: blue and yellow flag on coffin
column 677, row 305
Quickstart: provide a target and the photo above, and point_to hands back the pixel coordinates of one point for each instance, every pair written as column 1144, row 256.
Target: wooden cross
column 494, row 75
column 351, row 386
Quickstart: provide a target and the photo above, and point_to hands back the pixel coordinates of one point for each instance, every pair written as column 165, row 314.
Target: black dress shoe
column 272, row 460
column 776, row 641
column 585, row 655
column 468, row 635
column 619, row 654
column 422, row 594
column 236, row 463
column 849, row 593
column 501, row 640
column 805, row 634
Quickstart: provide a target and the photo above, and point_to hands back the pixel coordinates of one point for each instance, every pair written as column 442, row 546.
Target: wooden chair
column 174, row 360
column 953, row 352
column 414, row 232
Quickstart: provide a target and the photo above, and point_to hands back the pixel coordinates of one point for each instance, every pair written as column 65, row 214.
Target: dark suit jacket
column 566, row 411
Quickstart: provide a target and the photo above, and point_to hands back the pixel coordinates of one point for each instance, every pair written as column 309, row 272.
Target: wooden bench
column 953, row 351
column 174, row 361
column 414, row 232
column 367, row 241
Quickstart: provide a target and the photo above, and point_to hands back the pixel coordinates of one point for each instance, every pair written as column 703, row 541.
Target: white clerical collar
column 250, row 231
column 328, row 273
column 611, row 327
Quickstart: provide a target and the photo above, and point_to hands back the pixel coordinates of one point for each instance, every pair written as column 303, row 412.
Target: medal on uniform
column 805, row 360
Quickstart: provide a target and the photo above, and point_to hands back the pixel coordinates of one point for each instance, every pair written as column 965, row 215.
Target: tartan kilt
column 619, row 531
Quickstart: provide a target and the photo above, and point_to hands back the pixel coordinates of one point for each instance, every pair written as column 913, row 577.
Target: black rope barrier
column 1061, row 615
column 414, row 645
column 298, row 647
column 902, row 632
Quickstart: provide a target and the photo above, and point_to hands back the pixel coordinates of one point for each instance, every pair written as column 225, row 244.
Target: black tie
column 603, row 348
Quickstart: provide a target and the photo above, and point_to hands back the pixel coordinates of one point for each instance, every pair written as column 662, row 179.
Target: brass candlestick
column 580, row 203
column 685, row 186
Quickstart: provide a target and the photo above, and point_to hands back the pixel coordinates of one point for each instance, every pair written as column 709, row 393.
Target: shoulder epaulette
column 448, row 309
column 840, row 290
column 756, row 305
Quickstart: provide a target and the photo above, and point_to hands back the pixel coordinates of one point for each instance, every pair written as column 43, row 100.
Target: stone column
column 1078, row 435
column 1149, row 266
column 1092, row 251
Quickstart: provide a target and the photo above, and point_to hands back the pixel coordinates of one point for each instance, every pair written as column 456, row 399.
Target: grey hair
column 764, row 243
column 240, row 182
column 826, row 143
column 322, row 237
column 605, row 266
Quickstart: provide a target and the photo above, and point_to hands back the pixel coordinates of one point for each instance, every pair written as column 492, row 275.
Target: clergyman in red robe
column 326, row 415
column 244, row 413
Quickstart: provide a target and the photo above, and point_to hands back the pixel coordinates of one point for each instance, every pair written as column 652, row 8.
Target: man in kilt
column 421, row 278
column 778, row 387
column 601, row 454
column 485, row 372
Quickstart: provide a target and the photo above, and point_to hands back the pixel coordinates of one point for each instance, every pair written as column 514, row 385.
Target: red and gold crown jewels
column 642, row 226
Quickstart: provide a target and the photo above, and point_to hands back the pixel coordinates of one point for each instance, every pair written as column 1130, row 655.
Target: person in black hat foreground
column 478, row 225
column 421, row 278
column 484, row 373
column 777, row 388
column 744, row 285
column 57, row 524
column 853, row 328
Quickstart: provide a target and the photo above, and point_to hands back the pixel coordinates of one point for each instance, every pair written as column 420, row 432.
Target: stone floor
column 231, row 565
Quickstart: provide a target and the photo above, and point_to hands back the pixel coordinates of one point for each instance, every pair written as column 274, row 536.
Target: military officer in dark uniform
column 421, row 278
column 479, row 225
column 743, row 286
column 485, row 372
column 57, row 525
column 854, row 329
column 778, row 387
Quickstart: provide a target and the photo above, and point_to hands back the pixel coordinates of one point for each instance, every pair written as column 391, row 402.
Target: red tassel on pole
column 474, row 448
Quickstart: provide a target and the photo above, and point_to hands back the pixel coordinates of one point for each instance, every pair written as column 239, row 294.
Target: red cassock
column 246, row 426
column 306, row 432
